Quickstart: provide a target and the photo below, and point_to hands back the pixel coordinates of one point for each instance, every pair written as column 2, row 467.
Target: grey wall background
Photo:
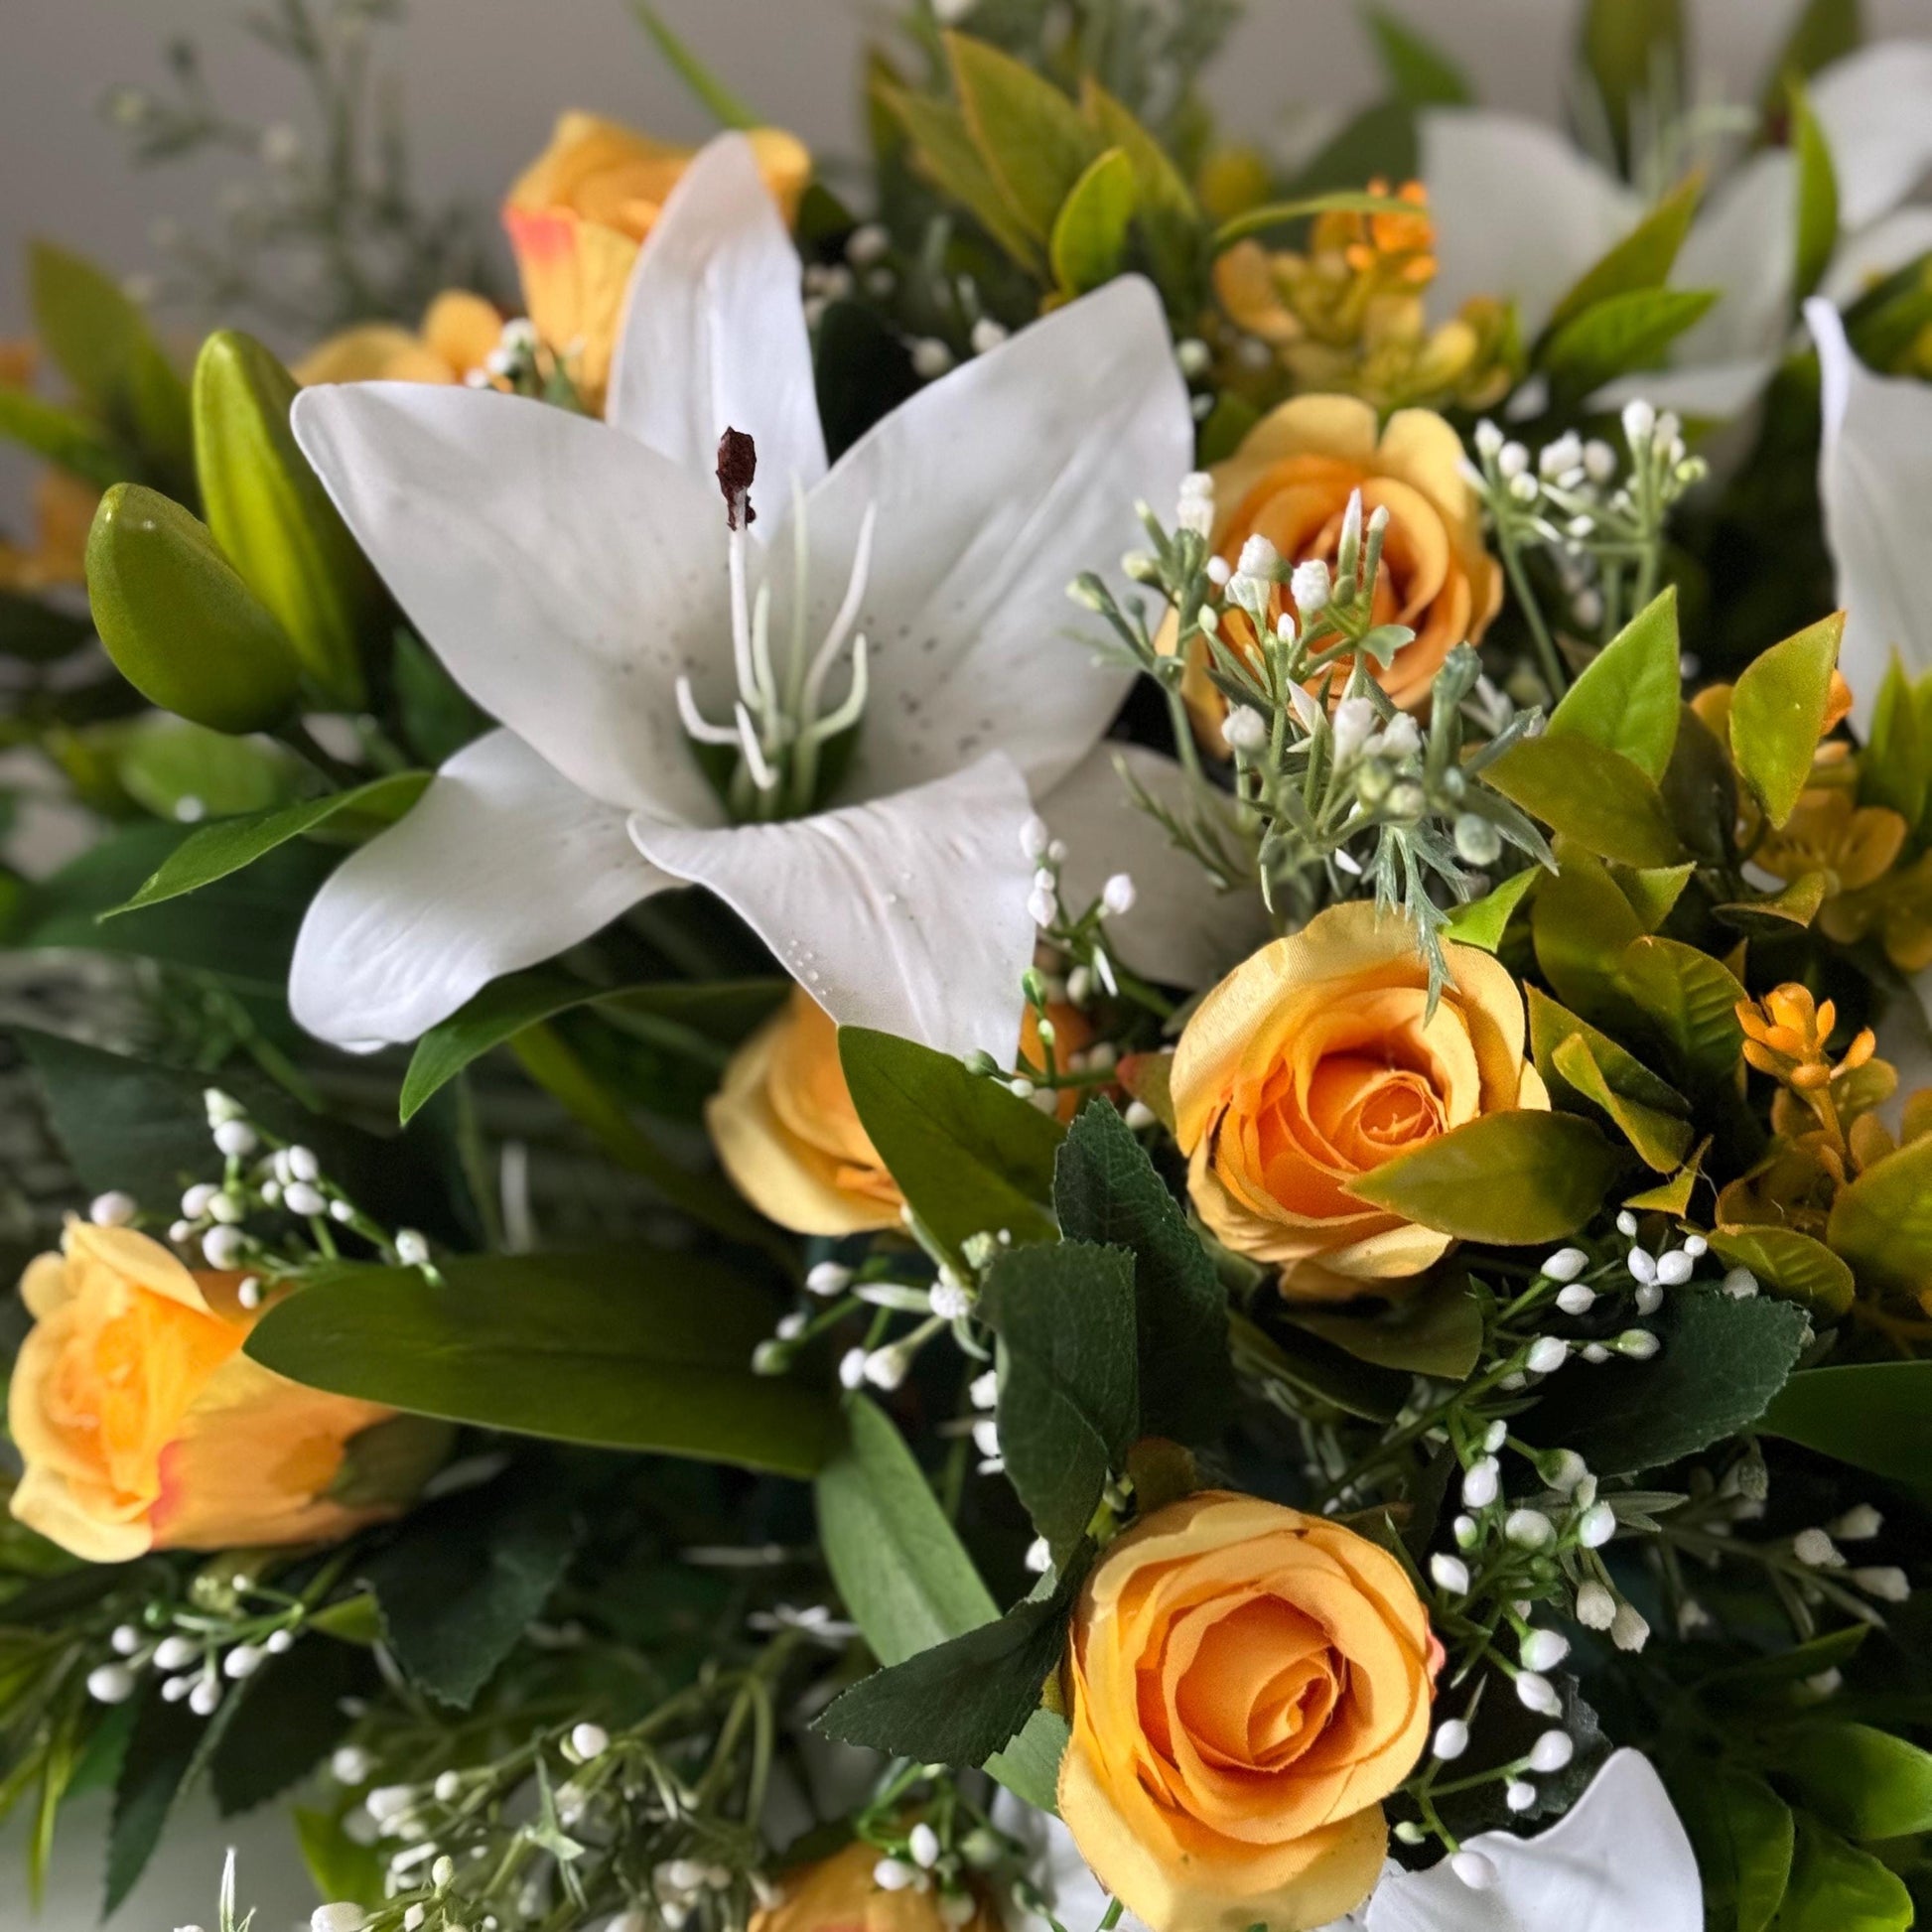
column 484, row 80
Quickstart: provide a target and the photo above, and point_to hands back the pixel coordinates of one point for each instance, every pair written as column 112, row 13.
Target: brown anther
column 738, row 462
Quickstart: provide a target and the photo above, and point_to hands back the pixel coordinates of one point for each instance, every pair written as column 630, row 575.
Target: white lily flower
column 1619, row 1858
column 1521, row 212
column 578, row 581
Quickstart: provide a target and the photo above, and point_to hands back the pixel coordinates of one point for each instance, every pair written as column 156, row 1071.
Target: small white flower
column 923, row 1844
column 1466, row 1531
column 1040, row 1557
column 412, row 1249
column 110, row 1684
column 1642, row 1265
column 350, row 1766
column 589, row 1740
column 1259, row 558
column 1529, row 1529
column 1518, row 1795
column 222, row 1247
column 1695, row 1246
column 113, row 1209
column 1552, row 1751
column 1041, row 907
column 303, row 1163
column 893, row 1875
column 126, row 1640
column 1140, row 1115
column 931, row 358
column 1353, row 722
column 984, row 1390
column 303, row 1198
column 236, row 1139
column 244, row 1660
column 1649, row 1297
column 339, row 1917
column 951, row 1297
column 1311, row 586
column 1488, row 439
column 1575, row 1298
column 1860, row 1524
column 1451, row 1739
column 1628, row 1628
column 1544, row 1650
column 1566, row 1264
column 1244, row 729
column 1626, row 1224
column 1481, row 1483
column 1888, row 1582
column 1548, row 1353
column 1449, row 1572
column 1535, row 1691
column 987, row 334
column 176, row 1653
column 1639, row 424
column 828, row 1278
column 194, row 1202
column 1674, row 1269
column 986, row 1436
column 1033, row 837
column 1476, row 1870
column 1596, row 1526
column 1512, row 461
column 1595, row 1606
column 204, row 1697
column 852, row 1369
column 1815, row 1549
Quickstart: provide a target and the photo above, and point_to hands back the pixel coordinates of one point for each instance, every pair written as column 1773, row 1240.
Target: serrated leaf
column 1512, row 1178
column 213, row 852
column 1090, row 231
column 1881, row 1223
column 1629, row 696
column 1029, row 135
column 292, row 1714
column 1107, row 1192
column 967, row 1154
column 1620, row 335
column 1876, row 1416
column 1643, row 259
column 1483, row 922
column 1584, row 792
column 627, row 1349
column 1777, row 711
column 1790, row 1265
column 1690, row 1001
column 1069, row 1388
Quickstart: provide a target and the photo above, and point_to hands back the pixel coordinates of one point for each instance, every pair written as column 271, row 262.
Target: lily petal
column 501, row 863
column 1871, row 106
column 994, row 489
column 1874, row 477
column 565, row 574
column 1743, row 244
column 714, row 331
column 1183, row 930
column 1874, row 253
column 1518, row 210
column 907, row 914
column 1580, row 1875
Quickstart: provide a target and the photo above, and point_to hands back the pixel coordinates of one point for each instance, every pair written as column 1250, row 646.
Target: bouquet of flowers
column 1018, row 1038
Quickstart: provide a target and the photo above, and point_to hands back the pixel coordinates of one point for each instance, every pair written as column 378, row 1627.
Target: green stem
column 1545, row 644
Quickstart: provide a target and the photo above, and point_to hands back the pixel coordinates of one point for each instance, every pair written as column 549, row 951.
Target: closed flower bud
column 1628, row 1629
column 1566, row 1264
column 1449, row 1572
column 1888, row 1582
column 1544, row 1650
column 1596, row 1526
column 1529, row 1529
column 1595, row 1606
column 1451, row 1739
column 112, row 1210
column 1535, row 1691
column 1551, row 1752
column 1481, row 1483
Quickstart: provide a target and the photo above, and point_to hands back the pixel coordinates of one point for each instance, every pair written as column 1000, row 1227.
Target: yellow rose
column 1247, row 1685
column 143, row 1427
column 576, row 217
column 1317, row 1061
column 457, row 334
column 838, row 1895
column 1290, row 482
column 784, row 1126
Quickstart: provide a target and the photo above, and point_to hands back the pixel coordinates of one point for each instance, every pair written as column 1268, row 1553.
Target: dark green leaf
column 1515, row 1177
column 1590, row 795
column 1743, row 1836
column 1817, row 210
column 1435, row 1331
column 292, row 1714
column 1701, row 790
column 1069, row 1397
column 1317, row 1371
column 167, row 1752
column 1876, row 1416
column 861, row 370
column 1629, row 696
column 1859, row 1780
column 1722, row 1363
column 1107, row 1192
column 468, row 1574
column 620, row 1350
column 1380, row 141
column 1419, row 72
column 967, row 1154
column 1777, row 709
column 1643, row 259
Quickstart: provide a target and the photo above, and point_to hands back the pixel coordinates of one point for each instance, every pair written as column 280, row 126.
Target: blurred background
column 479, row 82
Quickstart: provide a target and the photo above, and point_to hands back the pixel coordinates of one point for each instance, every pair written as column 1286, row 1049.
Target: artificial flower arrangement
column 731, row 1218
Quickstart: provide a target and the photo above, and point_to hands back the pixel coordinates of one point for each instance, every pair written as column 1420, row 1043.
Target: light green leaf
column 1894, row 768
column 1883, row 1222
column 1629, row 696
column 182, row 773
column 967, row 1154
column 1859, row 1780
column 697, row 1021
column 1876, row 1416
column 1581, row 927
column 1030, row 136
column 337, row 1867
column 1661, row 1139
column 1620, row 335
column 60, row 437
column 1653, row 890
column 1777, row 709
column 949, row 161
column 1278, row 214
column 1585, row 792
column 1090, row 231
column 630, row 1349
column 1743, row 1836
column 705, row 89
column 1483, row 922
column 1835, row 1888
column 1816, row 210
column 1170, row 220
column 1690, row 1001
column 215, row 851
column 1551, row 1024
column 1419, row 72
column 1777, row 912
column 1789, row 1264
column 1513, row 1179
column 1643, row 259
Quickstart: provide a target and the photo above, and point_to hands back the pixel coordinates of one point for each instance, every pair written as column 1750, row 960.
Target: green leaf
column 900, row 1568
column 1824, row 31
column 1883, row 1222
column 1030, row 1766
column 167, row 1752
column 1777, row 711
column 1632, row 50
column 60, row 437
column 468, row 1574
column 1317, row 1371
column 1643, row 259
column 1483, row 922
column 292, row 1716
column 629, row 1350
column 1661, row 1139
column 1380, row 142
column 273, row 519
column 1894, row 767
column 213, row 852
column 1690, row 1001
column 1835, row 1887
column 1701, row 791
column 1590, row 795
column 1030, row 136
column 1621, row 334
column 180, row 624
column 961, row 1703
column 697, row 1021
column 1876, row 1416
column 337, row 1867
column 1774, row 915
column 967, row 1154
column 705, row 89
column 1789, row 1264
column 1630, row 695
column 1169, row 218
column 1551, row 1024
column 1512, row 1178
column 1279, row 214
column 182, row 771
column 1722, row 1363
column 1107, row 1192
column 105, row 348
column 1090, row 231
column 1435, row 1331
column 1817, row 209
column 1419, row 72
column 1581, row 926
column 1069, row 1390
column 1859, row 1780
column 949, row 160
column 1743, row 1835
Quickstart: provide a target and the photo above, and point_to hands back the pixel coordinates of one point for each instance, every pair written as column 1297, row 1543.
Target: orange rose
column 784, row 1126
column 1317, row 1061
column 1247, row 1685
column 457, row 334
column 577, row 214
column 143, row 1427
column 1290, row 482
column 838, row 1895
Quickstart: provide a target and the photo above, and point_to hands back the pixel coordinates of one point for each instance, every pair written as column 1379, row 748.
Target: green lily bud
column 271, row 516
column 186, row 631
